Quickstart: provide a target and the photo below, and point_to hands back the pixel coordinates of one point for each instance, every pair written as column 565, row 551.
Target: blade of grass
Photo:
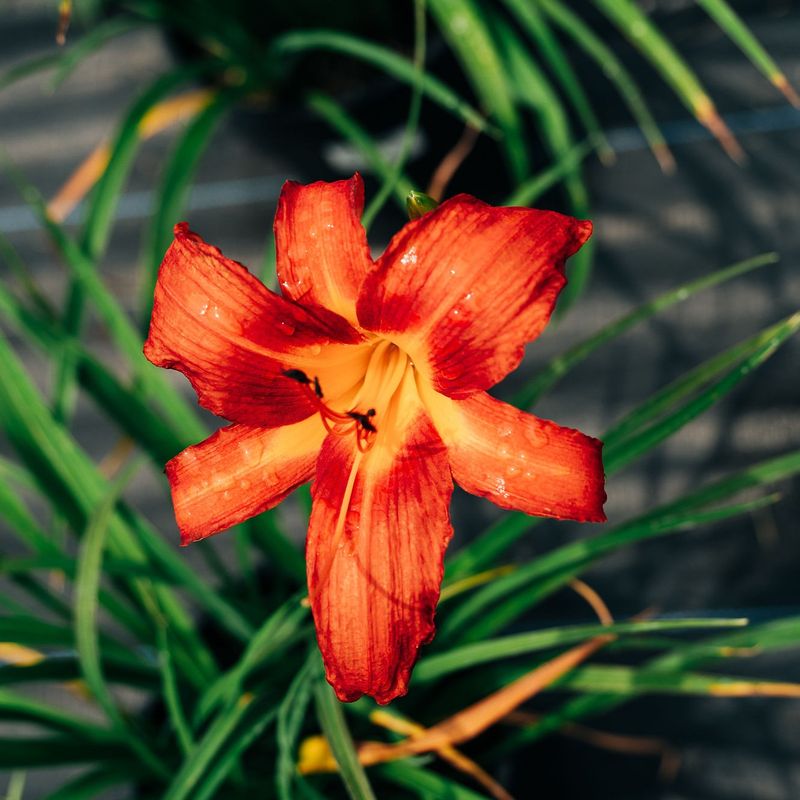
column 171, row 198
column 87, row 584
column 180, row 414
column 383, row 58
column 679, row 658
column 334, row 727
column 633, row 430
column 530, row 190
column 424, row 783
column 71, row 481
column 519, row 591
column 282, row 628
column 435, row 667
column 729, row 21
column 291, row 713
column 99, row 219
column 335, row 115
column 562, row 364
column 530, row 18
column 463, row 27
column 619, row 452
column 90, row 784
column 412, row 120
column 184, row 782
column 606, row 59
column 533, row 91
column 171, row 694
column 17, row 707
column 634, row 24
column 246, row 734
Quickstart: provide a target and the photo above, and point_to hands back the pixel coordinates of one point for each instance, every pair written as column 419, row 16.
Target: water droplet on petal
column 203, row 309
column 286, row 327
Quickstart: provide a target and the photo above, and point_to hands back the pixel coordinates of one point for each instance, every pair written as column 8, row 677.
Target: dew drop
column 456, row 311
column 315, row 349
column 409, row 257
column 226, row 494
column 203, row 310
column 244, row 484
column 286, row 327
column 512, row 470
column 505, row 431
column 215, row 312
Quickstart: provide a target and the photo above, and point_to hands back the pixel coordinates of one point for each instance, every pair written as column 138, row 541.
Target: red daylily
column 370, row 377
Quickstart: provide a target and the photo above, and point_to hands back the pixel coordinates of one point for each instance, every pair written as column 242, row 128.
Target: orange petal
column 519, row 461
column 375, row 567
column 321, row 245
column 463, row 288
column 239, row 472
column 233, row 338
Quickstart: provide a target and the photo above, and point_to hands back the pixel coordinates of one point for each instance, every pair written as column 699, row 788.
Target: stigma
column 364, row 410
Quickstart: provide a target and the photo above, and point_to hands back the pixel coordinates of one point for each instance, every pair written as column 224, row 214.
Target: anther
column 364, row 419
column 318, row 388
column 299, row 376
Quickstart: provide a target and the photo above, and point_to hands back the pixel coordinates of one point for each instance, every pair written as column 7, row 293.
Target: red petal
column 374, row 585
column 239, row 472
column 233, row 338
column 321, row 245
column 519, row 461
column 463, row 288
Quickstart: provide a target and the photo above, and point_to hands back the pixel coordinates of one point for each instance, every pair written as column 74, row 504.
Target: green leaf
column 381, row 57
column 532, row 90
column 613, row 68
column 546, row 379
column 643, row 429
column 219, row 732
column 254, row 724
column 530, row 190
column 171, row 198
column 171, row 694
column 463, row 27
column 87, row 584
column 535, row 25
column 647, row 426
column 729, row 21
column 412, row 121
column 91, row 784
column 282, row 628
column 531, row 583
column 334, row 727
column 182, row 416
column 19, row 707
column 291, row 713
column 634, row 24
column 424, row 783
column 336, row 116
column 435, row 667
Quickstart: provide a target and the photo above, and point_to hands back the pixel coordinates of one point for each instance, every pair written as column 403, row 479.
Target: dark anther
column 317, row 388
column 364, row 419
column 297, row 375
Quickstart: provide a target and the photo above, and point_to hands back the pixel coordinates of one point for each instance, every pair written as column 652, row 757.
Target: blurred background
column 676, row 190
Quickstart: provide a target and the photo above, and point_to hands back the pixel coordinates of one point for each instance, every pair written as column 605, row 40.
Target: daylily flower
column 370, row 378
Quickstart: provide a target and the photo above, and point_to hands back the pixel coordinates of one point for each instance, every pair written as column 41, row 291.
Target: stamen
column 341, row 519
column 384, row 372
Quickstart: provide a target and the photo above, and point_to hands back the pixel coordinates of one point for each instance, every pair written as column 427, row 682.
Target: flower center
column 365, row 408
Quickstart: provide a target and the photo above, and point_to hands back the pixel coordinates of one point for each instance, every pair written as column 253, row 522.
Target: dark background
column 653, row 232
